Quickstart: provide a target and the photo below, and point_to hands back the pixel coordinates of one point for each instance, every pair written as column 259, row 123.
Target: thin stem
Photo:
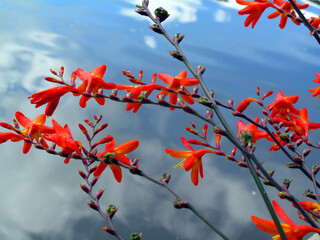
column 305, row 21
column 178, row 197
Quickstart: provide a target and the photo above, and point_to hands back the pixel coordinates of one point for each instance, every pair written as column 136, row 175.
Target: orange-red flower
column 119, row 153
column 301, row 125
column 287, row 9
column 254, row 9
column 51, row 97
column 291, row 230
column 253, row 129
column 92, row 82
column 33, row 130
column 135, row 91
column 63, row 138
column 177, row 83
column 191, row 160
column 316, row 91
column 283, row 105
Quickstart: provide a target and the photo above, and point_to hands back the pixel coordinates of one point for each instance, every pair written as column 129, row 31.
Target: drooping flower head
column 176, row 84
column 119, row 153
column 192, row 160
column 92, row 82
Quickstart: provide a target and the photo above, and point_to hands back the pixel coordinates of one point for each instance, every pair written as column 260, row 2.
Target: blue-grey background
column 40, row 195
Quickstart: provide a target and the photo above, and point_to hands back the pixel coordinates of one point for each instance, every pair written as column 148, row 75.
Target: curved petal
column 282, row 214
column 102, row 166
column 127, row 147
column 178, row 154
column 116, row 170
column 99, row 71
column 23, row 120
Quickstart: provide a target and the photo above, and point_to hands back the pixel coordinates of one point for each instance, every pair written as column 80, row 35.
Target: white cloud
column 23, row 65
column 221, row 16
column 150, row 41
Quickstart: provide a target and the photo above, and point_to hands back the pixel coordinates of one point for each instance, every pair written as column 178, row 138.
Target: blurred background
column 41, row 196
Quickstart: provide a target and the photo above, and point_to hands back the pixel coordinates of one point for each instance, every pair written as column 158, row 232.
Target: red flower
column 51, row 97
column 135, row 91
column 316, row 91
column 177, row 83
column 63, row 138
column 92, row 82
column 282, row 106
column 291, row 230
column 118, row 153
column 191, row 160
column 33, row 130
column 254, row 9
column 253, row 129
column 287, row 9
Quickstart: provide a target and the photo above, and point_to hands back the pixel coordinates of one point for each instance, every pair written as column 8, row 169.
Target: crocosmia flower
column 51, row 97
column 136, row 90
column 119, row 153
column 291, row 230
column 254, row 9
column 177, row 83
column 253, row 129
column 283, row 105
column 316, row 91
column 34, row 130
column 92, row 82
column 192, row 160
column 63, row 138
column 287, row 9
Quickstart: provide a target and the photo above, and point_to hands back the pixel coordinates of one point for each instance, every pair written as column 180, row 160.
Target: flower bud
column 177, row 55
column 136, row 236
column 178, row 37
column 178, row 204
column 93, row 205
column 142, row 12
column 84, row 188
column 201, row 69
column 99, row 193
column 165, row 177
column 111, row 210
column 109, row 230
column 156, row 28
column 161, row 14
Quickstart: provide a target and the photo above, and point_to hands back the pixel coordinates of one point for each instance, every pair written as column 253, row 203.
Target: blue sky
column 42, row 198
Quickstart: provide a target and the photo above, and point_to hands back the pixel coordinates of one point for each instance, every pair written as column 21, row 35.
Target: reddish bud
column 61, row 71
column 84, row 131
column 84, row 188
column 99, row 194
column 51, row 79
column 53, row 72
column 94, row 181
column 267, row 94
column 82, row 174
column 93, row 205
column 109, row 230
column 245, row 103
